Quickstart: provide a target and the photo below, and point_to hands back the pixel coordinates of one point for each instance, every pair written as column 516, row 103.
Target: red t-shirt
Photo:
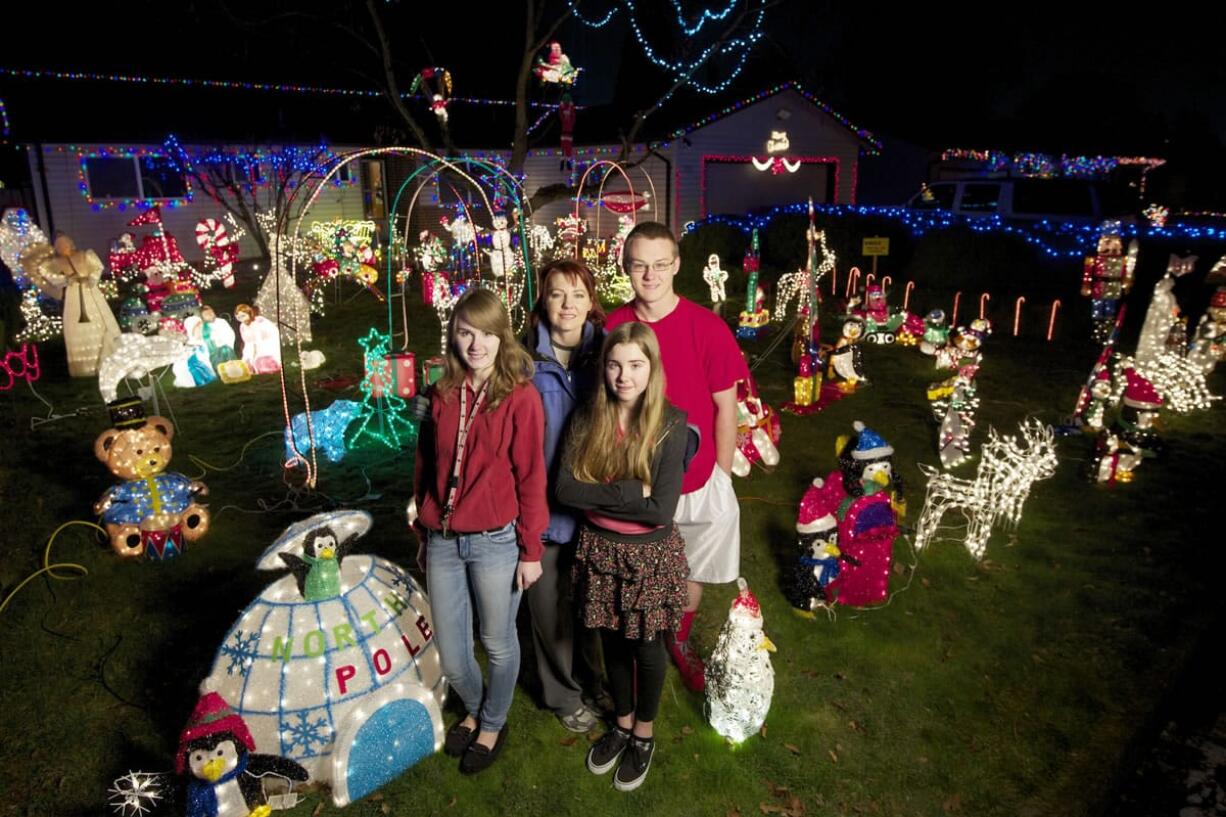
column 502, row 478
column 700, row 358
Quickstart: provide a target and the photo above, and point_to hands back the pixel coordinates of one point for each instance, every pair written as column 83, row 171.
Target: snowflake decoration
column 305, row 733
column 242, row 652
column 400, row 579
column 135, row 794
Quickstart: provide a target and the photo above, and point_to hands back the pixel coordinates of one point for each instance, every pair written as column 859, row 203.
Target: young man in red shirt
column 702, row 365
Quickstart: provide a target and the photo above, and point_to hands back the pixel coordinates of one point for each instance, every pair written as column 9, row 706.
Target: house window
column 160, row 179
column 131, row 177
column 112, row 178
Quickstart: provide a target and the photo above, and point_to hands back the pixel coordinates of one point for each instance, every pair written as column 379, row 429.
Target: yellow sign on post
column 875, row 246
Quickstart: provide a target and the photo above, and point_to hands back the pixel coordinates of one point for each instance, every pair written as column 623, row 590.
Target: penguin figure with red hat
column 818, row 560
column 225, row 775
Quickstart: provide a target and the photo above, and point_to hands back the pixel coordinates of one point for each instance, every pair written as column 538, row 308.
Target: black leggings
column 620, row 657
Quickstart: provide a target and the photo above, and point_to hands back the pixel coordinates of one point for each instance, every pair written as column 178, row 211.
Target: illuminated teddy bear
column 153, row 512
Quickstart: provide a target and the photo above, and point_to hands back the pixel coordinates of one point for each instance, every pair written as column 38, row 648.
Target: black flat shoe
column 478, row 758
column 458, row 738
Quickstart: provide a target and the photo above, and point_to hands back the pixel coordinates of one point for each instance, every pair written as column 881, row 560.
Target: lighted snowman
column 334, row 665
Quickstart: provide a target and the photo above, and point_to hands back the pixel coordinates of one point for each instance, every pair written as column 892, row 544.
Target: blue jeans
column 476, row 569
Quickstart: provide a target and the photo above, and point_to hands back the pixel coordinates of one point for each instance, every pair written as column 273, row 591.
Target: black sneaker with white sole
column 605, row 752
column 636, row 760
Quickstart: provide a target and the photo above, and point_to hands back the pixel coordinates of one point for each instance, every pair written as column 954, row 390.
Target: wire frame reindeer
column 1008, row 467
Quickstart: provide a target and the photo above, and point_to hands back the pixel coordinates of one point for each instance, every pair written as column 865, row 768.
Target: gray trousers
column 565, row 649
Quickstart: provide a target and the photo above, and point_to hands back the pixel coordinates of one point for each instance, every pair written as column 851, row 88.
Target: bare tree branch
column 391, row 89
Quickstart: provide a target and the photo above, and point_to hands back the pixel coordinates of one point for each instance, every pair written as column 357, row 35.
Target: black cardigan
column 623, row 498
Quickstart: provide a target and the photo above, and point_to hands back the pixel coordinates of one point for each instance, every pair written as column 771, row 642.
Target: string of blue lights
column 1055, row 239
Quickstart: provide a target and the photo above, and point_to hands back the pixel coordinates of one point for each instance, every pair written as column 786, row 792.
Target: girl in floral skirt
column 623, row 466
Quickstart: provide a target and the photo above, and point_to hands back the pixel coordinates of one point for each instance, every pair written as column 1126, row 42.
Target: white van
column 1067, row 200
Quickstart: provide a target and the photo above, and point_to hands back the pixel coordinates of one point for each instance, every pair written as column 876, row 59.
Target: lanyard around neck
column 461, row 443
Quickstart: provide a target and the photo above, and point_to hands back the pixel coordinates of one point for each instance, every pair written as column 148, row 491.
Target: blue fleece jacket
column 561, row 391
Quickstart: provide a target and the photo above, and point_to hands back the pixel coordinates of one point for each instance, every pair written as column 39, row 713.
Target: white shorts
column 710, row 522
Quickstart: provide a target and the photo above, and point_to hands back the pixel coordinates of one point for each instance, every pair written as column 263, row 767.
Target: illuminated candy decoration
column 757, row 430
column 328, row 427
column 89, row 326
column 261, row 340
column 715, row 278
column 1008, row 467
column 864, row 495
column 348, row 686
column 555, row 68
column 20, row 364
column 818, row 562
column 153, row 512
column 740, row 680
column 220, row 247
column 138, row 356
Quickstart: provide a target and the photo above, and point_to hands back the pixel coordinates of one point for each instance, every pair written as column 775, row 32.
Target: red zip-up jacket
column 503, row 476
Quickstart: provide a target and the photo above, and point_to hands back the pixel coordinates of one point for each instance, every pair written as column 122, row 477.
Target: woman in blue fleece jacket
column 564, row 341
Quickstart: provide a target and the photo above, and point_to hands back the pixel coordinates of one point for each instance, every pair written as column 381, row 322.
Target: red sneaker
column 689, row 664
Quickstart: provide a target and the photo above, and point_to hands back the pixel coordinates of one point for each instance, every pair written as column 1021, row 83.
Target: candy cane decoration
column 853, row 281
column 213, row 238
column 1051, row 322
column 868, row 281
column 906, row 297
column 953, row 319
column 834, row 281
column 983, row 304
column 885, row 283
column 1017, row 313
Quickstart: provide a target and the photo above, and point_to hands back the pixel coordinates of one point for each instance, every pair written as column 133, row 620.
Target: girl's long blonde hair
column 482, row 310
column 596, row 454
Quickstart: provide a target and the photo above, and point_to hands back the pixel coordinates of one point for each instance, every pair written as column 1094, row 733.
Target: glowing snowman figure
column 348, row 685
column 740, row 678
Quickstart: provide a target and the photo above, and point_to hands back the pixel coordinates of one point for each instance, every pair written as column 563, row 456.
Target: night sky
column 1051, row 77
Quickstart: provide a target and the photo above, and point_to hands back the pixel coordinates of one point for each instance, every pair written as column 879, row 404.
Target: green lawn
column 1011, row 686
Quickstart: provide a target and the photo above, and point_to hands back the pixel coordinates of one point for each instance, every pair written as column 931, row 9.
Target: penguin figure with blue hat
column 866, row 497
